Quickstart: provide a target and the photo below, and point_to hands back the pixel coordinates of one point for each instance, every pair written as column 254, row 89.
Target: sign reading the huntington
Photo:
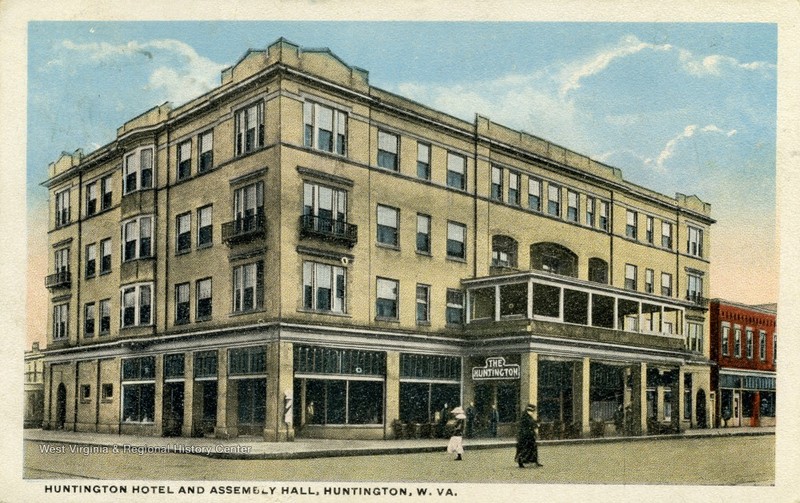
column 495, row 368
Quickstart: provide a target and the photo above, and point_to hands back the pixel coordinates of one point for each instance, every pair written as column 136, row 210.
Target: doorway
column 252, row 406
column 173, row 409
column 700, row 409
column 737, row 409
column 61, row 406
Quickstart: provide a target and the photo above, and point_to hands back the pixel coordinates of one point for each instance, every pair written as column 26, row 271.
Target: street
column 740, row 460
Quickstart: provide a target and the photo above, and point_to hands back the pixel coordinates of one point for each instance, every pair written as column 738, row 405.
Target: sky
column 678, row 107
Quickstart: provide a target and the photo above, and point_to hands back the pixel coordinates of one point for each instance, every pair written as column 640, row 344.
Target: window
column 513, row 188
column 86, row 392
column 182, row 303
column 762, row 345
column 204, row 303
column 105, row 256
column 60, row 321
column 107, row 391
column 666, row 284
column 249, row 128
column 62, row 260
column 243, row 361
column 174, row 366
column 534, row 194
column 62, row 208
column 183, row 233
column 325, row 128
column 456, row 171
column 138, row 390
column 387, row 151
column 91, row 199
column 456, row 235
column 325, row 208
column 423, row 234
column 554, row 258
column 572, row 206
column 105, row 187
column 105, row 316
column 423, row 161
column 648, row 280
column 88, row 320
column 423, row 303
column 136, row 238
column 205, row 151
column 598, row 270
column 248, row 206
column 726, row 333
column 737, row 341
column 454, row 313
column 590, row 211
column 388, row 223
column 774, row 348
column 205, row 232
column 91, row 260
column 138, row 170
column 497, row 184
column 694, row 244
column 649, row 229
column 184, row 160
column 666, row 235
column 694, row 290
column 630, row 277
column 554, row 200
column 248, row 284
column 136, row 301
column 324, row 287
column 604, row 215
column 504, row 251
column 695, row 337
column 631, row 224
column 749, row 343
column 386, row 305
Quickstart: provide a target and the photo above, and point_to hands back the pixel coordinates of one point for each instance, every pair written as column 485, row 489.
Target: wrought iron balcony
column 62, row 279
column 244, row 229
column 328, row 229
column 696, row 298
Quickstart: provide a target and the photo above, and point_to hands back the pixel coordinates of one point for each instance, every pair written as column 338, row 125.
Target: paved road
column 742, row 460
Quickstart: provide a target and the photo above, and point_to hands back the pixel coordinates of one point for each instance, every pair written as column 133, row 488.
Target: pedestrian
column 444, row 416
column 456, row 444
column 619, row 419
column 527, row 451
column 494, row 418
column 470, row 430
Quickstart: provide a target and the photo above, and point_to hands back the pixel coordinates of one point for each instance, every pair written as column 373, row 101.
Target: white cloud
column 688, row 132
column 716, row 63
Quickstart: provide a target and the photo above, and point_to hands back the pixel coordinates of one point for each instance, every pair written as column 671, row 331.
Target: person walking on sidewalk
column 456, row 444
column 527, row 451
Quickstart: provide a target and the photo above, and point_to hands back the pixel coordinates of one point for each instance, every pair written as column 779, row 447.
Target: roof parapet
column 65, row 162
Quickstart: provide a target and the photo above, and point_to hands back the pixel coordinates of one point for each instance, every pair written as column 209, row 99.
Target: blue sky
column 679, row 107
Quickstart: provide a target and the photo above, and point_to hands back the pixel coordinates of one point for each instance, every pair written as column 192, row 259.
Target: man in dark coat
column 527, row 452
column 470, row 430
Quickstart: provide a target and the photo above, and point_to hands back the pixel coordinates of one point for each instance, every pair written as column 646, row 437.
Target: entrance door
column 61, row 406
column 700, row 409
column 737, row 409
column 208, row 420
column 173, row 409
column 252, row 406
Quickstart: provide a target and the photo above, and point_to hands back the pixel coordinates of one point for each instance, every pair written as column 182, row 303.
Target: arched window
column 554, row 258
column 598, row 270
column 504, row 251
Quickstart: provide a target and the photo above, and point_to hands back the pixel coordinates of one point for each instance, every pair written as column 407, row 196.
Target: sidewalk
column 255, row 448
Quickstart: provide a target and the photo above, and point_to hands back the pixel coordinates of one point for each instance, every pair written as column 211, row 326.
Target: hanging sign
column 495, row 368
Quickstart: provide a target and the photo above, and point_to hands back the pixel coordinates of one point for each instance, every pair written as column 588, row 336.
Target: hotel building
column 298, row 253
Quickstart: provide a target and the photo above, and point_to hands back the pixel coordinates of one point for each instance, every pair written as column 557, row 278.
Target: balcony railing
column 244, row 229
column 62, row 279
column 696, row 298
column 328, row 229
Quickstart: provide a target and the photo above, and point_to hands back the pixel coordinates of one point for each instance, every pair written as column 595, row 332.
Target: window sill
column 457, row 259
column 326, row 313
column 90, row 276
column 424, row 254
column 203, row 319
column 102, row 334
column 103, row 273
column 423, row 323
column 182, row 322
column 386, row 246
column 245, row 313
column 183, row 252
column 387, row 320
column 204, row 246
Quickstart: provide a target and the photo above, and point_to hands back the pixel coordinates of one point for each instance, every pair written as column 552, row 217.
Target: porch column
column 528, row 380
column 392, row 393
column 187, row 429
column 581, row 374
column 158, row 413
column 467, row 384
column 222, row 429
column 638, row 420
column 47, row 424
column 280, row 384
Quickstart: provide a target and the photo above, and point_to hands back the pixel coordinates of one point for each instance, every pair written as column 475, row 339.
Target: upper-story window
column 649, row 223
column 694, row 243
column 737, row 341
column 91, row 199
column 631, row 224
column 250, row 128
column 604, row 215
column 454, row 311
column 325, row 128
column 456, row 171
column 423, row 161
column 694, row 288
column 248, row 287
column 138, row 170
column 62, row 260
column 182, row 303
column 534, row 194
column 630, row 277
column 497, row 184
column 105, row 188
column 762, row 345
column 423, row 233
column 749, row 343
column 105, row 255
column 387, row 151
column 326, row 207
column 60, row 321
column 204, row 300
column 205, row 230
column 554, row 200
column 774, row 348
column 423, row 303
column 456, row 240
column 205, row 151
column 649, row 277
column 388, row 225
column 590, row 211
column 248, row 205
column 62, row 208
column 386, row 298
column 513, row 188
column 324, row 287
column 572, row 206
column 504, row 251
column 183, row 233
column 91, row 260
column 136, row 302
column 105, row 316
column 666, row 284
column 598, row 270
column 666, row 235
column 725, row 342
column 137, row 236
column 184, row 159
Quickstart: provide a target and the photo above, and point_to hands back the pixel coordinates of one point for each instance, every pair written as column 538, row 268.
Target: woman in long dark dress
column 527, row 451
